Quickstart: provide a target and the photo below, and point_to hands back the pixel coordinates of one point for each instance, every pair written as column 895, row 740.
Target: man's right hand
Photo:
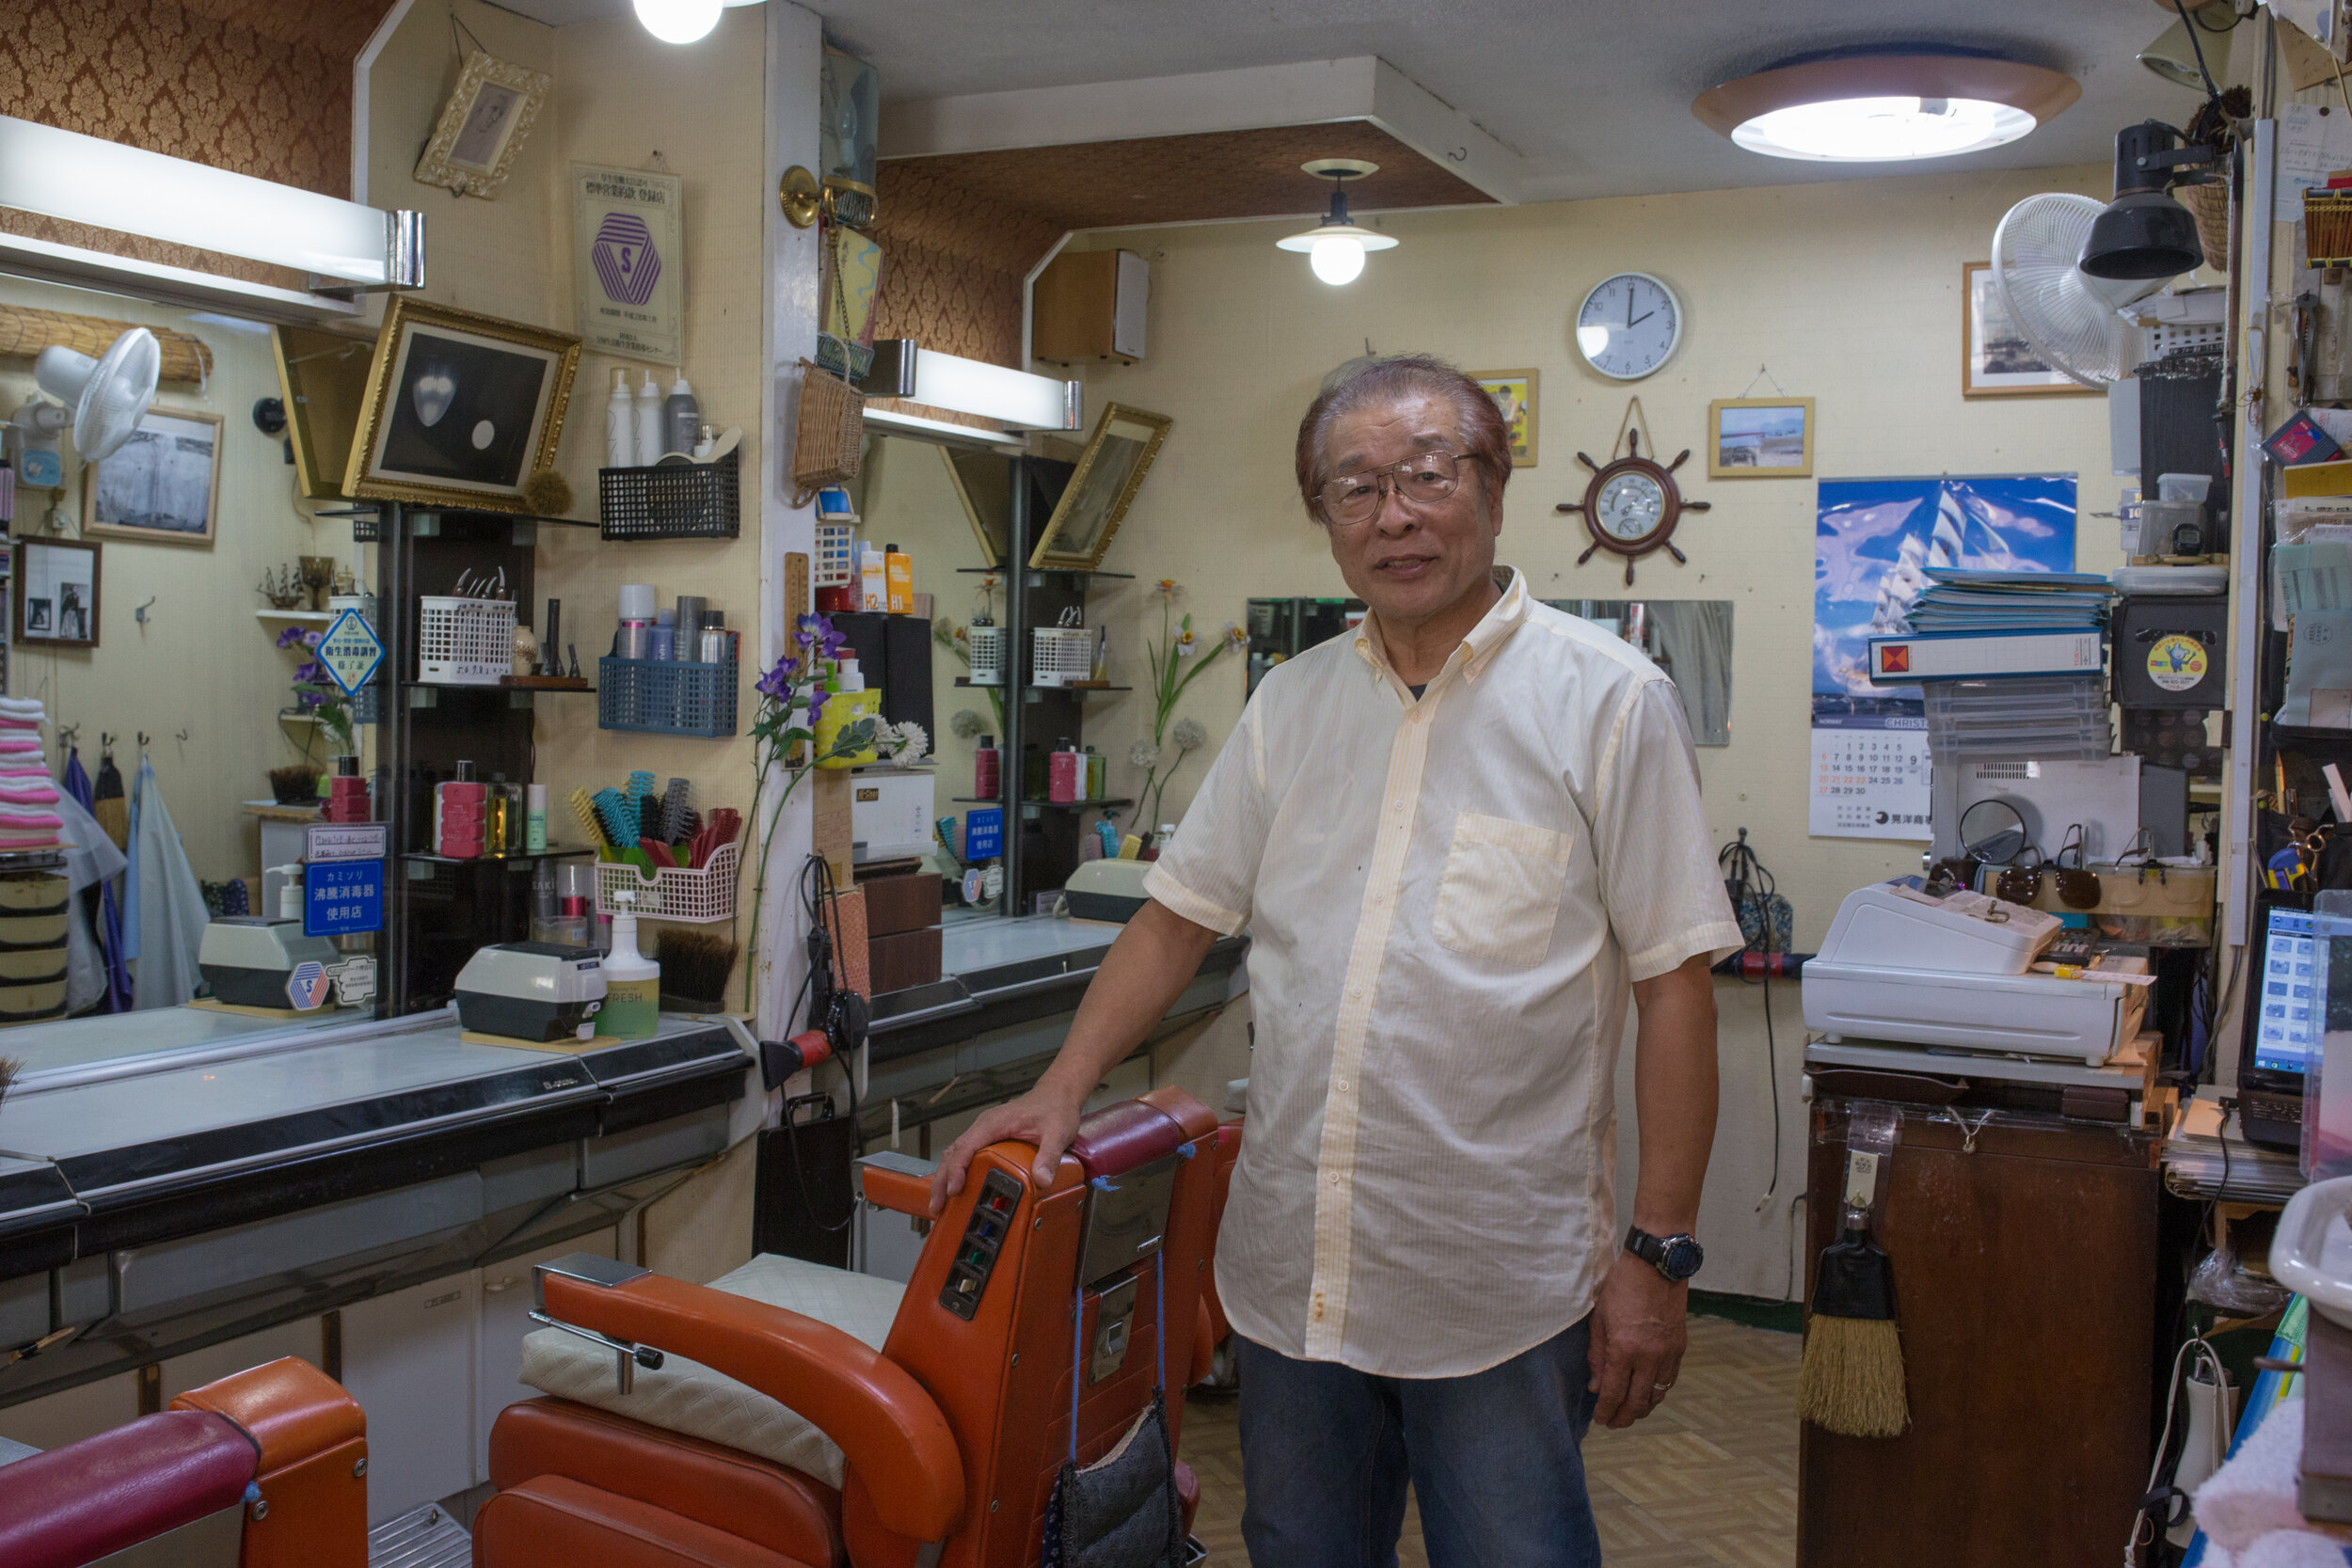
column 1045, row 1116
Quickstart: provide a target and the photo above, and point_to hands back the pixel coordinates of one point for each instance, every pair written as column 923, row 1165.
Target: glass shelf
column 1075, row 805
column 1075, row 691
column 552, row 852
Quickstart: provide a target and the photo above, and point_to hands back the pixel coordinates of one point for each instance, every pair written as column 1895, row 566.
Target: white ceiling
column 1595, row 97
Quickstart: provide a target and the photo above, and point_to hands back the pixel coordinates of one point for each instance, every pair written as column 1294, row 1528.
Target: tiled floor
column 1710, row 1480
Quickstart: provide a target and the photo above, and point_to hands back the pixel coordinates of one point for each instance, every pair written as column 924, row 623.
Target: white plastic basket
column 465, row 642
column 1062, row 655
column 697, row 897
column 988, row 655
column 832, row 567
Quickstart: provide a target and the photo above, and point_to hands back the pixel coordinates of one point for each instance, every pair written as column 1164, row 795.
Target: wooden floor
column 1711, row 1479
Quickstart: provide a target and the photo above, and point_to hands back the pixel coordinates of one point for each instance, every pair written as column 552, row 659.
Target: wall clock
column 1633, row 503
column 1628, row 325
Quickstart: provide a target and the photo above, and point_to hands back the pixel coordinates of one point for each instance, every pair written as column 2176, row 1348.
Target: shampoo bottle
column 648, row 441
column 681, row 418
column 620, row 444
column 988, row 779
column 632, row 984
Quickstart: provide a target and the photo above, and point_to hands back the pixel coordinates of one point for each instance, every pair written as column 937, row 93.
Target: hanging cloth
column 1122, row 1511
column 91, row 845
column 171, row 912
column 91, row 862
column 106, row 801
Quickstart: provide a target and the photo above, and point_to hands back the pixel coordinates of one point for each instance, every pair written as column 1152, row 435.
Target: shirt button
column 1396, row 805
column 1356, row 992
column 1341, row 1086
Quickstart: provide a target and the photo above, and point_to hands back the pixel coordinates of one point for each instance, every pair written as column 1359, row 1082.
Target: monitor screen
column 2285, row 1031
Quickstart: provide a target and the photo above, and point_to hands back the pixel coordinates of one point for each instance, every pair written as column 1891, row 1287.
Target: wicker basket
column 2328, row 228
column 2210, row 206
column 829, row 434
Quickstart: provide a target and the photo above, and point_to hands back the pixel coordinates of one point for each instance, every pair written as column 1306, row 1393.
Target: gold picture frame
column 1756, row 441
column 1518, row 397
column 1996, row 360
column 323, row 379
column 1111, row 469
column 460, row 409
column 482, row 126
column 162, row 485
column 983, row 483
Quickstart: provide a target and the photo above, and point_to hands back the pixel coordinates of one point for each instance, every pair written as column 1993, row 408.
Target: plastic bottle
column 632, row 984
column 681, row 418
column 1066, row 775
column 873, row 579
column 649, row 441
column 620, row 443
column 536, row 827
column 460, row 808
column 988, row 769
column 1098, row 774
column 898, row 574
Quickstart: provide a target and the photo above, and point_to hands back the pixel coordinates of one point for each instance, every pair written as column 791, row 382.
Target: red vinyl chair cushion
column 555, row 1522
column 77, row 1504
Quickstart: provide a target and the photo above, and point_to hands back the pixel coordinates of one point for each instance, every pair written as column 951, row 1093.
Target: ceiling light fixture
column 683, row 20
column 2173, row 55
column 1335, row 247
column 1882, row 107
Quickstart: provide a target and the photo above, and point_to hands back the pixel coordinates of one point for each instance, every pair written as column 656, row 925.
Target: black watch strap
column 1676, row 1258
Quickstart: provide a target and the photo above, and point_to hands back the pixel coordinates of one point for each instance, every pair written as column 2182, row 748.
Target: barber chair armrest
column 898, row 1182
column 889, row 1427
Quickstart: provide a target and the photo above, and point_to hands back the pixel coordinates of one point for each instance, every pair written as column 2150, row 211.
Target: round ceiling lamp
column 683, row 20
column 1884, row 107
column 1335, row 247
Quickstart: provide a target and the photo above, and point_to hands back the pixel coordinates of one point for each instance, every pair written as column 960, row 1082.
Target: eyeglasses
column 1351, row 500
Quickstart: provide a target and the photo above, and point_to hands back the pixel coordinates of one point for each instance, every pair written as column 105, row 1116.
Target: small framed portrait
column 1759, row 438
column 460, row 409
column 1110, row 472
column 482, row 126
column 1514, row 392
column 1995, row 360
column 57, row 593
column 161, row 485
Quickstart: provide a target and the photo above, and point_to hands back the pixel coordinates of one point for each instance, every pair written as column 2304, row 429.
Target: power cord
column 839, row 1011
column 1749, row 883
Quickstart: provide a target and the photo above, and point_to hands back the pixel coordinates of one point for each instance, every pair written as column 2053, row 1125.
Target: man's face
column 1413, row 560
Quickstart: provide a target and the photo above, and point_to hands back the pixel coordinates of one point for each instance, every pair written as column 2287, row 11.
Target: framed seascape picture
column 1996, row 360
column 57, row 593
column 460, row 409
column 163, row 484
column 1110, row 472
column 1759, row 437
column 482, row 126
column 1514, row 392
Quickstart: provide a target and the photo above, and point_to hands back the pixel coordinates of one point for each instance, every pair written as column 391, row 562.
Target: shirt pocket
column 1501, row 892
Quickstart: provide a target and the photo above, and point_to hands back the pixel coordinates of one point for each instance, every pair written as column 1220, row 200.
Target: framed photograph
column 1759, row 437
column 162, row 485
column 629, row 261
column 460, row 409
column 323, row 379
column 1996, row 360
column 1514, row 392
column 483, row 126
column 1110, row 472
column 983, row 482
column 57, row 593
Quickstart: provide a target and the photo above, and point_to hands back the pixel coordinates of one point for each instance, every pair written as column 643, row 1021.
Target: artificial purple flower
column 777, row 682
column 312, row 672
column 313, row 639
column 291, row 636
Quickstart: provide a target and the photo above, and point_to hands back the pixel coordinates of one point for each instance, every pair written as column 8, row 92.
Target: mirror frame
column 1046, row 555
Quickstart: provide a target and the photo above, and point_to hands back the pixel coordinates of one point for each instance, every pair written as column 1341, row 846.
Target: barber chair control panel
column 967, row 1277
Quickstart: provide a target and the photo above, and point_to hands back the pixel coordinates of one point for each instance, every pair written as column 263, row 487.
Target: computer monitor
column 2286, row 1024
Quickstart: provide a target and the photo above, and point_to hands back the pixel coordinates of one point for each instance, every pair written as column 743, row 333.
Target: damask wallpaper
column 952, row 262
column 261, row 87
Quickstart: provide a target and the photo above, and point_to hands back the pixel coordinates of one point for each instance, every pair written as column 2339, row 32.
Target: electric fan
column 109, row 395
column 2072, row 320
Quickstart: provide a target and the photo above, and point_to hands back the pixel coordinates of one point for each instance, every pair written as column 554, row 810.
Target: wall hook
column 142, row 740
column 183, row 737
column 140, row 613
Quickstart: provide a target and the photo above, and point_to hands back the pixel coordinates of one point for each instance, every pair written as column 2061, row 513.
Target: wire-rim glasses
column 1351, row 500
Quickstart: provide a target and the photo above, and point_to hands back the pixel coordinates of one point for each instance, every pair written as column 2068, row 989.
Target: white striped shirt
column 1448, row 902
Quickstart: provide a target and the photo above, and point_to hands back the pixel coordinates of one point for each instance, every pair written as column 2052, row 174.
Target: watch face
column 1684, row 1258
column 1630, row 506
column 1628, row 325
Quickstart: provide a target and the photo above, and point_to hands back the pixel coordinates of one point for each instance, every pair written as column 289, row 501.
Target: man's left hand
column 1638, row 1337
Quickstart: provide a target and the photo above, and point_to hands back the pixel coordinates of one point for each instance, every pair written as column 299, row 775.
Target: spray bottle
column 632, row 982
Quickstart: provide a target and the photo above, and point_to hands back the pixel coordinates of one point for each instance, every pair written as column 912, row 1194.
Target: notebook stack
column 2012, row 663
column 28, row 796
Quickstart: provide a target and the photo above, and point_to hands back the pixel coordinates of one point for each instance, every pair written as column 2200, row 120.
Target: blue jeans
column 1493, row 1457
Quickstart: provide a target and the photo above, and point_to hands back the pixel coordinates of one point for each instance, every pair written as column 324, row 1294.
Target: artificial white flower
column 1189, row 735
column 906, row 742
column 966, row 724
column 1144, row 755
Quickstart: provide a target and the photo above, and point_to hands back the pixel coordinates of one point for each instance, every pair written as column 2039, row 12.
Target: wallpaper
column 261, row 87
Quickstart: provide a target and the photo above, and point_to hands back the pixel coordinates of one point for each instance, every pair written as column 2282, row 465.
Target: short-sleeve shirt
column 1449, row 899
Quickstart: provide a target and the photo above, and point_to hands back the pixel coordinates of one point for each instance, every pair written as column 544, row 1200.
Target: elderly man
column 1460, row 839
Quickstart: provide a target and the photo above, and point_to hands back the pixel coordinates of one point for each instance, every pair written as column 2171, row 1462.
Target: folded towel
column 2253, row 1495
column 2289, row 1549
column 34, row 796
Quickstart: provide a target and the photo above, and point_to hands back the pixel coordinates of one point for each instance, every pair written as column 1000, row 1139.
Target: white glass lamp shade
column 1336, row 250
column 680, row 20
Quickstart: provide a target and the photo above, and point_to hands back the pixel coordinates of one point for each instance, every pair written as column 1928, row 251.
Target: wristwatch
column 1675, row 1258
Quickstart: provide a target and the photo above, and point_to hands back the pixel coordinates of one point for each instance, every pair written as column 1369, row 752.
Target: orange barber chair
column 947, row 1434
column 265, row 1470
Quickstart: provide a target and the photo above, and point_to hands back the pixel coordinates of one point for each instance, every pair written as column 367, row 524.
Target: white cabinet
column 409, row 1360
column 504, row 1319
column 198, row 1368
column 53, row 1421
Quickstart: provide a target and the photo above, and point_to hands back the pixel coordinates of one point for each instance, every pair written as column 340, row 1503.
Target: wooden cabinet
column 2026, row 1290
column 1090, row 305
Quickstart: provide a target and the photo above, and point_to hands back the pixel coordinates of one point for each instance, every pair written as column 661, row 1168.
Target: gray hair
column 1385, row 378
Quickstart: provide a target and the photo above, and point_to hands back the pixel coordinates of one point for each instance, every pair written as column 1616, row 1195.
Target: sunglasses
column 2078, row 887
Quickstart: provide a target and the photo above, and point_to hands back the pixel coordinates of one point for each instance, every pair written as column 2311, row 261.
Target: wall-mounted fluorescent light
column 63, row 174
column 1014, row 398
column 886, row 421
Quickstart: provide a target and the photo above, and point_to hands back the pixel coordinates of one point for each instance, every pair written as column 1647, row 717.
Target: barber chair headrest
column 1125, row 1137
column 90, row 1500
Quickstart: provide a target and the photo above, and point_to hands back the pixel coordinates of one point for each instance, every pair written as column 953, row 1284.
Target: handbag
column 1122, row 1511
